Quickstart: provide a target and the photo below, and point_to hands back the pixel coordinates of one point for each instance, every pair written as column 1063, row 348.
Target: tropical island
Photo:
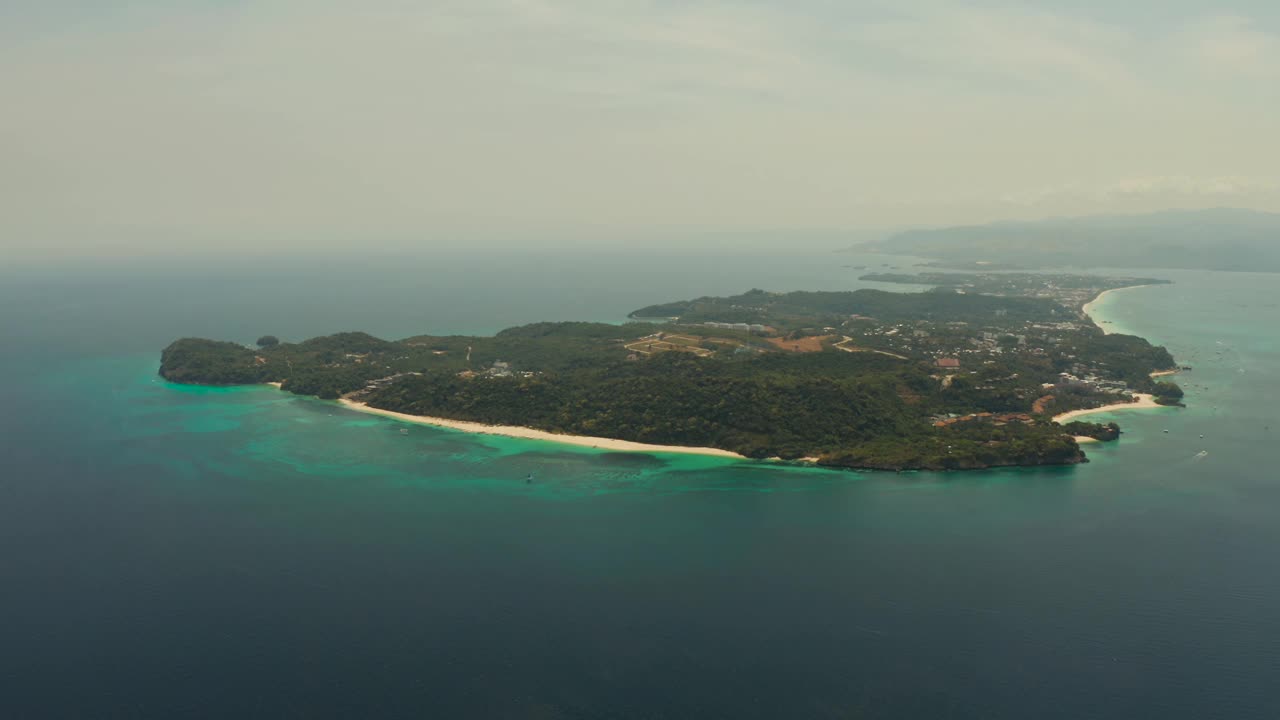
column 936, row 380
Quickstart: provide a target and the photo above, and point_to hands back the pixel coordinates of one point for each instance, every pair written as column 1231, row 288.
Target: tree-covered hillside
column 755, row 394
column 800, row 309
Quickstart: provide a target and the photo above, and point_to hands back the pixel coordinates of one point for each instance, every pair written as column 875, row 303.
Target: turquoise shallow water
column 171, row 551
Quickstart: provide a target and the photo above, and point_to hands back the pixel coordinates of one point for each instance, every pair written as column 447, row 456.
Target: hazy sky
column 282, row 125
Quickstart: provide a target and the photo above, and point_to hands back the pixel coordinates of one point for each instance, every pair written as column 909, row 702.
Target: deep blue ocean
column 179, row 552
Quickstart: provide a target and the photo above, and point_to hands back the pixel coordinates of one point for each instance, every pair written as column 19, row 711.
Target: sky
column 304, row 125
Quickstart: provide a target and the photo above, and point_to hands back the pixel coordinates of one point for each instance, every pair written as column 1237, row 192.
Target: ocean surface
column 179, row 552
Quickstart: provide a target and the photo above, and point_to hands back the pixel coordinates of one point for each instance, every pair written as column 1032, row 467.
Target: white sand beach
column 532, row 434
column 1144, row 402
column 1091, row 307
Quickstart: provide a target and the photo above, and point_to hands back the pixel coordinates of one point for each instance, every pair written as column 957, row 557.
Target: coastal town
column 1051, row 356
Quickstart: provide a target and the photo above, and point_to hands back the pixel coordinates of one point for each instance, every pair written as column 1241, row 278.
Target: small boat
column 404, row 431
column 1166, row 432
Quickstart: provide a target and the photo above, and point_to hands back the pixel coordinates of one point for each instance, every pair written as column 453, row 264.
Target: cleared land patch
column 805, row 344
column 680, row 343
column 847, row 346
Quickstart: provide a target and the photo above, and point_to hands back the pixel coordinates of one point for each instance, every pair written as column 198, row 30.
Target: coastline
column 1145, row 402
column 615, row 445
column 1090, row 307
column 532, row 434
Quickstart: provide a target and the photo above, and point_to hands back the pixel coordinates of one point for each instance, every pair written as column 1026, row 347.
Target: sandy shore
column 531, row 434
column 1145, row 402
column 1091, row 306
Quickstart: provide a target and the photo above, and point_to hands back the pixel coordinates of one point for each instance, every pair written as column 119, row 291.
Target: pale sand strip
column 532, row 434
column 1144, row 402
column 1089, row 307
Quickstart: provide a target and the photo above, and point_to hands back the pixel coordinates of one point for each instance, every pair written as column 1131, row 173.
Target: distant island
column 946, row 379
column 1216, row 239
column 1073, row 291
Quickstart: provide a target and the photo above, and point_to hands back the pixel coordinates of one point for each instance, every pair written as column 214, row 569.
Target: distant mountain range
column 1217, row 239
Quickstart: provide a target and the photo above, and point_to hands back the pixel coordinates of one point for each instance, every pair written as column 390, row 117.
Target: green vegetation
column 780, row 408
column 966, row 446
column 696, row 385
column 1097, row 431
column 1071, row 291
column 1167, row 393
column 268, row 341
column 209, row 362
column 798, row 310
column 1125, row 358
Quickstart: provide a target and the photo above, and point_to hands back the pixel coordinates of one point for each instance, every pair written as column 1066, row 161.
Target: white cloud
column 1235, row 44
column 1166, row 187
column 289, row 122
column 1026, row 45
